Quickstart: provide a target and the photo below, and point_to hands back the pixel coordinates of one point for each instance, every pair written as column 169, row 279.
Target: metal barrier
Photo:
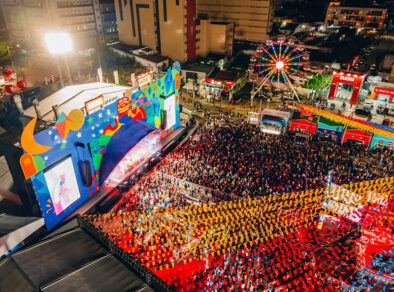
column 141, row 271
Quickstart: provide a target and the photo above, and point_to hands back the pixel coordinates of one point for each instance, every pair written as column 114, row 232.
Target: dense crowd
column 236, row 158
column 158, row 189
column 229, row 158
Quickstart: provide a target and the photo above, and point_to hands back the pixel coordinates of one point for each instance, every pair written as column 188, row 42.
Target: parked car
column 381, row 108
column 368, row 104
column 363, row 112
column 389, row 110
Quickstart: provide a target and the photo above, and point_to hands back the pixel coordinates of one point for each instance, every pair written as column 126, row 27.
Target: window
column 120, row 10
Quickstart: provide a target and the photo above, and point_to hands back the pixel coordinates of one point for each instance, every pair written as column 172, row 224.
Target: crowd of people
column 226, row 160
column 236, row 158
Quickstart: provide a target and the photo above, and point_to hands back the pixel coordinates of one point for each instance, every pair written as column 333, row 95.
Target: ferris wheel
column 278, row 60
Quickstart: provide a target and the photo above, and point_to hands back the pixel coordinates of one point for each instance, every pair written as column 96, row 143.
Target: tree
column 5, row 53
column 318, row 83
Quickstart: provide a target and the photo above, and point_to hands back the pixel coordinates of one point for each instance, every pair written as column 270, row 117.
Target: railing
column 141, row 271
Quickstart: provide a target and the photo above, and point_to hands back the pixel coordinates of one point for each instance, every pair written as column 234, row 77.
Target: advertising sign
column 145, row 79
column 94, row 104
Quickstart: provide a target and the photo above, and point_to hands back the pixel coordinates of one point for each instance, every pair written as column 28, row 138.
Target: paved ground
column 242, row 108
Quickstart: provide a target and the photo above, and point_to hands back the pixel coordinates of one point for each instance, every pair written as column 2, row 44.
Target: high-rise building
column 27, row 21
column 357, row 17
column 252, row 19
column 170, row 27
column 108, row 20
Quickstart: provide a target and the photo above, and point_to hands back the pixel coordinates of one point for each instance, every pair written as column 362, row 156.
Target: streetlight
column 60, row 43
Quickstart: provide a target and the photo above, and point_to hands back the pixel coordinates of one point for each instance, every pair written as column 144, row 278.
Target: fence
column 141, row 271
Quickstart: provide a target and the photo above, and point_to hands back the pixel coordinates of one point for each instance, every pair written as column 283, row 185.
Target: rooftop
column 198, row 68
column 153, row 58
column 73, row 97
column 224, row 75
column 124, row 47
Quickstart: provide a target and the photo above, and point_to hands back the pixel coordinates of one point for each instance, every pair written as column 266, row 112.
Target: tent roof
column 74, row 97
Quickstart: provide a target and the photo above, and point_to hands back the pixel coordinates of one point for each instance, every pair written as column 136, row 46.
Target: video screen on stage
column 169, row 106
column 62, row 184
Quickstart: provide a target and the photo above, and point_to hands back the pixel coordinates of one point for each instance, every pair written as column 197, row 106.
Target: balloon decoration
column 21, row 84
column 9, row 88
column 8, row 73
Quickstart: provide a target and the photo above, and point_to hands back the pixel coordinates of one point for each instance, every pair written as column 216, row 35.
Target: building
column 357, row 17
column 27, row 21
column 108, row 20
column 170, row 28
column 214, row 37
column 252, row 19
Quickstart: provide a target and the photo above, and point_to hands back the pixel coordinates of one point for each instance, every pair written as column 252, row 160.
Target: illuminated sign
column 145, row 79
column 346, row 78
column 220, row 82
column 94, row 104
column 386, row 91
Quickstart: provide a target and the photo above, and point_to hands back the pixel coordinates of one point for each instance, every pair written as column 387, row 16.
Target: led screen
column 62, row 184
column 169, row 106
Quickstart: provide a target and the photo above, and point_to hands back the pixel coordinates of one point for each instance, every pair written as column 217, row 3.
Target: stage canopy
column 121, row 142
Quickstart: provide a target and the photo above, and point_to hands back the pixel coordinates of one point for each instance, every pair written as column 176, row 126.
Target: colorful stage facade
column 64, row 161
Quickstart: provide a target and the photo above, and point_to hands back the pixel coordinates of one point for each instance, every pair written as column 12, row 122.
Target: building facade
column 108, row 20
column 214, row 37
column 252, row 19
column 356, row 17
column 170, row 28
column 27, row 21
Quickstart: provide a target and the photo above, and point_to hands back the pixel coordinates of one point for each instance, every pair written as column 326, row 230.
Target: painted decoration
column 47, row 150
column 27, row 140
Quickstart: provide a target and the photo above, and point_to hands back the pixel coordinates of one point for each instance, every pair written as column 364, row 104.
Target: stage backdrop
column 56, row 158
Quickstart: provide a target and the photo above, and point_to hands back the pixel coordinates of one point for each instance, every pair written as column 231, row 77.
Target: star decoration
column 90, row 120
column 100, row 115
column 79, row 135
column 56, row 136
column 63, row 146
column 45, row 158
column 108, row 112
column 50, row 132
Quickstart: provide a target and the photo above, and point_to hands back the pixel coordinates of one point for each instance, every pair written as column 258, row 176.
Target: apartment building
column 357, row 17
column 252, row 18
column 108, row 20
column 214, row 37
column 27, row 21
column 170, row 28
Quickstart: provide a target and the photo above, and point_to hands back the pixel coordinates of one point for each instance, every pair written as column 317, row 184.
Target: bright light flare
column 279, row 65
column 58, row 43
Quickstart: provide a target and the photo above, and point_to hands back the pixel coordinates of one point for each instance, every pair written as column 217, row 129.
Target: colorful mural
column 54, row 157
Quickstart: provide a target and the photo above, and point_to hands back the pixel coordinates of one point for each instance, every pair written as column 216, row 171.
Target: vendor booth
column 329, row 129
column 381, row 141
column 303, row 121
column 274, row 122
column 357, row 135
column 69, row 162
column 346, row 86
